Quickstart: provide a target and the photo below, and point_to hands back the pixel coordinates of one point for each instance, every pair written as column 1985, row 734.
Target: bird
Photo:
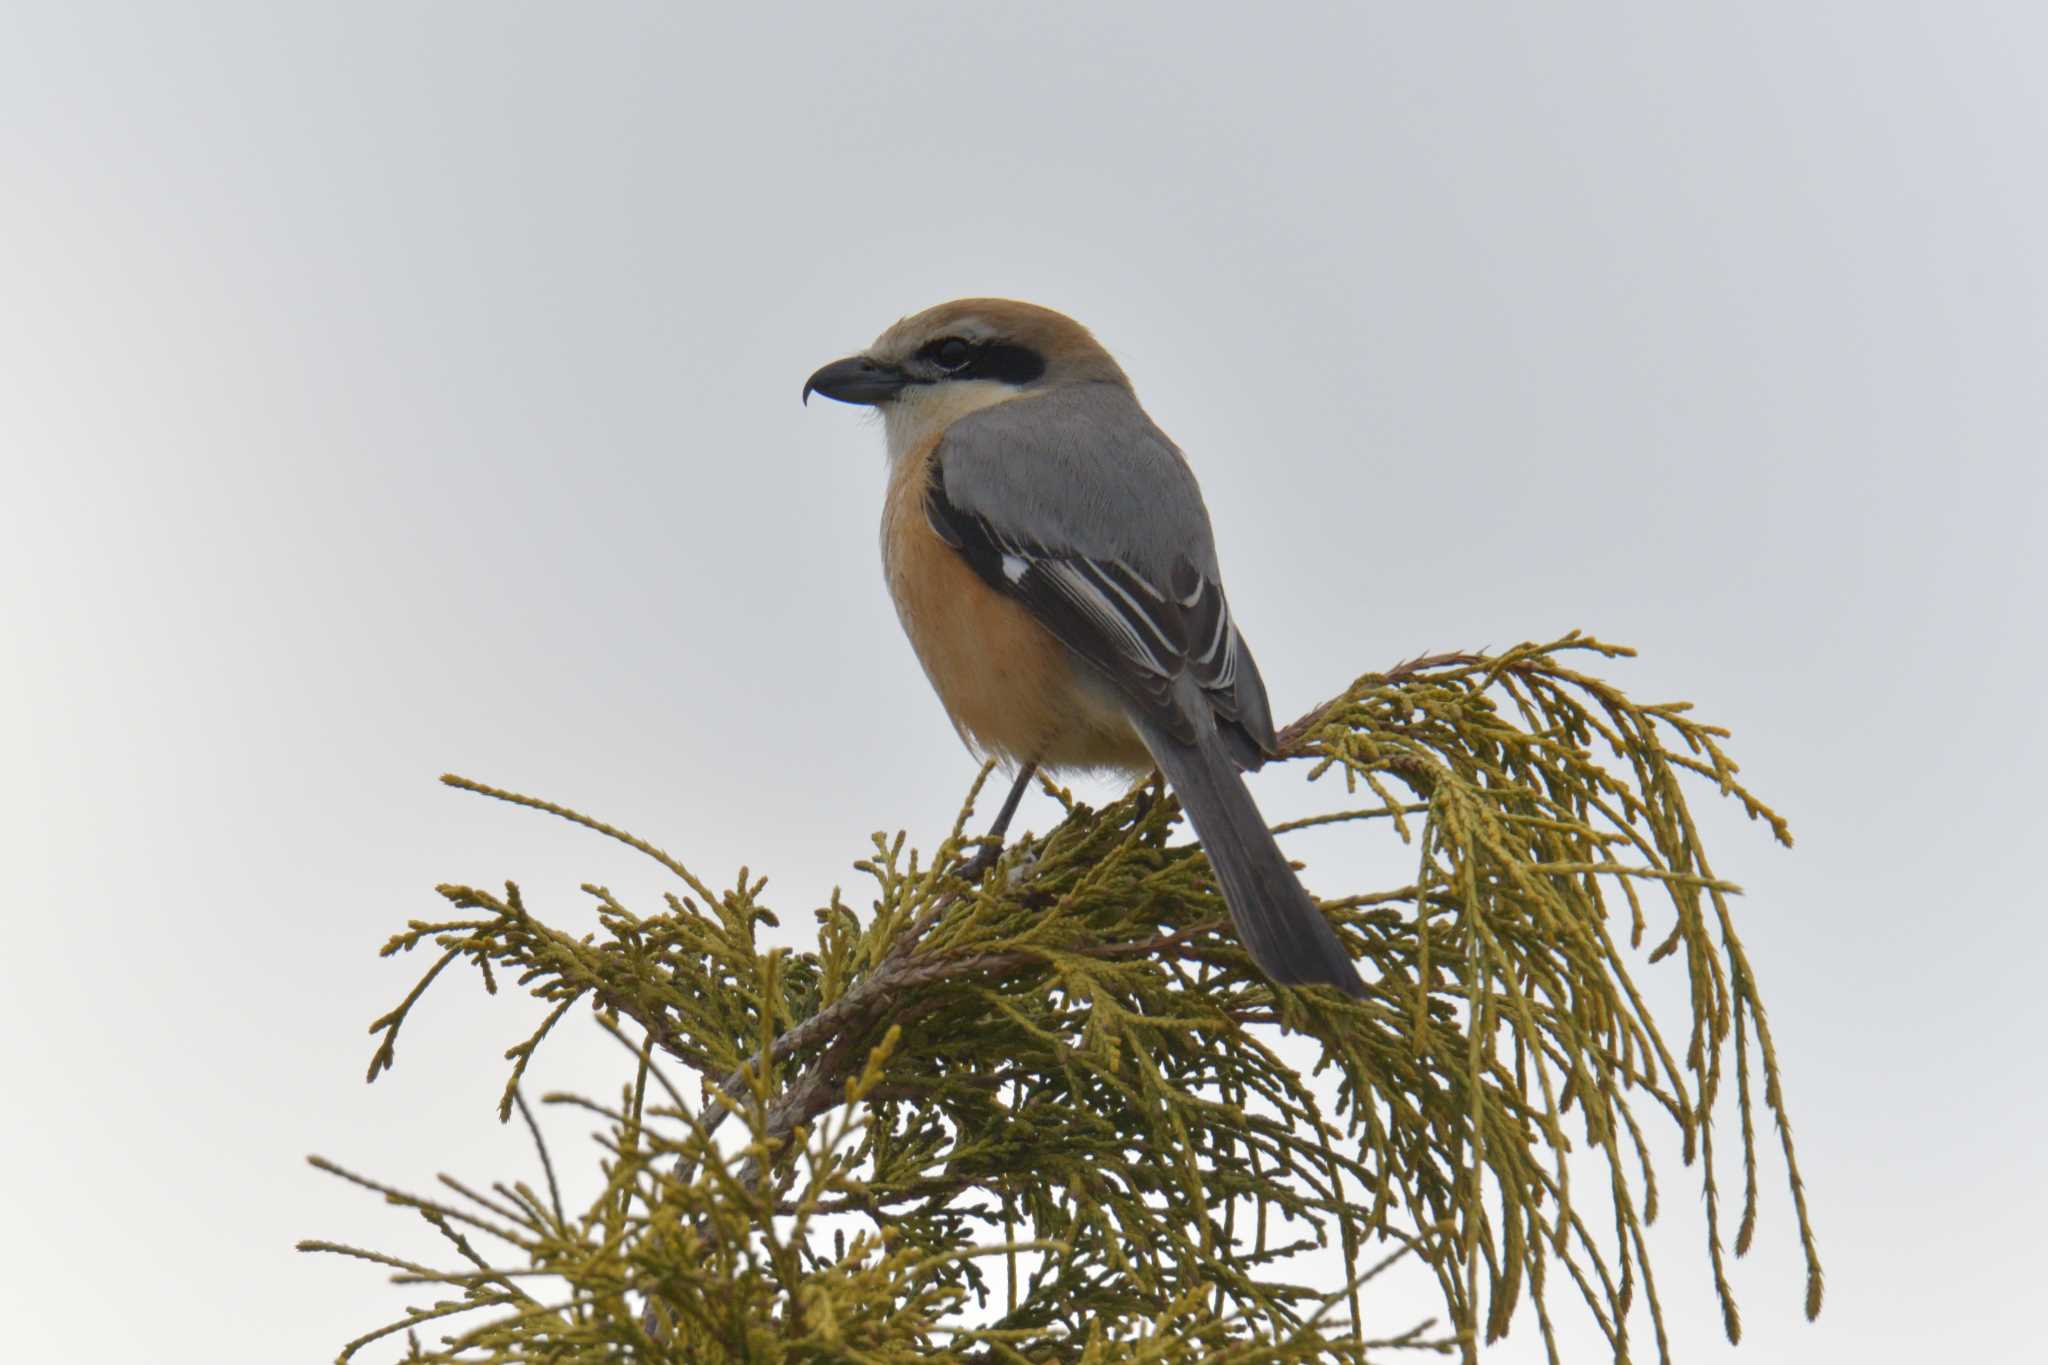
column 1052, row 562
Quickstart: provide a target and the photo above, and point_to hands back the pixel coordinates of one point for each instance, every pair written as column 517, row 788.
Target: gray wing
column 1076, row 505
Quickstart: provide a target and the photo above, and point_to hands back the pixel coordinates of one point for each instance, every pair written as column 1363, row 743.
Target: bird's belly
column 1012, row 690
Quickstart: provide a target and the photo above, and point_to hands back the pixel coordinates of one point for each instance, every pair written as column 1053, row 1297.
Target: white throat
column 919, row 413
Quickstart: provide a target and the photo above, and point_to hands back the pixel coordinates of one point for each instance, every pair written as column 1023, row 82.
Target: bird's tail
column 1286, row 934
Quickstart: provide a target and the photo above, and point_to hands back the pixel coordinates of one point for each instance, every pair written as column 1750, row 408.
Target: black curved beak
column 857, row 379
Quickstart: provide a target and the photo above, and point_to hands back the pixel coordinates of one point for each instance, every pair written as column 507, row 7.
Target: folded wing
column 1080, row 508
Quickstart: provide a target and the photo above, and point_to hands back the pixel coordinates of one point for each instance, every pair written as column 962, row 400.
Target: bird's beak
column 857, row 379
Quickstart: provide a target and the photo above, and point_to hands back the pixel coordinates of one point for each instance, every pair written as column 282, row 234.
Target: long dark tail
column 1285, row 933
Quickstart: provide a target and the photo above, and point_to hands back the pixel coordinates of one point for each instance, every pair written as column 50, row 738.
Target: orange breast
column 1009, row 686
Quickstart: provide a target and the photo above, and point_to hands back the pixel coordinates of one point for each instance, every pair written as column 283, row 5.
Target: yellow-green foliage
column 1044, row 1119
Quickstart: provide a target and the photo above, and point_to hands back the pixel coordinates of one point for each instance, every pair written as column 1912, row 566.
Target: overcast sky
column 395, row 388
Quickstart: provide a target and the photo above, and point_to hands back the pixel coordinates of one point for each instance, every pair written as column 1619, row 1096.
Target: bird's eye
column 951, row 353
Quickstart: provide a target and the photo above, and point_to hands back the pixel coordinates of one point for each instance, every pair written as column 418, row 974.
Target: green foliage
column 1049, row 1118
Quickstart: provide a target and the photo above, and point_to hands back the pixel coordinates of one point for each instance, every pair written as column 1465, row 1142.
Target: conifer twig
column 1070, row 1076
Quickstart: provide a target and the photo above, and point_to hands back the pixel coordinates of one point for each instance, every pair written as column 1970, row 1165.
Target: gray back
column 1081, row 474
column 1065, row 472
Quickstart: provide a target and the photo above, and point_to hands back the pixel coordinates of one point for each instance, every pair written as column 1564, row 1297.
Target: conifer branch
column 1066, row 1076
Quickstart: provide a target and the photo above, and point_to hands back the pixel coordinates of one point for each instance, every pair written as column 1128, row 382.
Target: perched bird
column 1051, row 560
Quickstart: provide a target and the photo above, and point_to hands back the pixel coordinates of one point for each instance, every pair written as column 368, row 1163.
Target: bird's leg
column 992, row 842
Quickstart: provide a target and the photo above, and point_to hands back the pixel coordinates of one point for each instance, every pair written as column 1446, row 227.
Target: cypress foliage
column 1049, row 1118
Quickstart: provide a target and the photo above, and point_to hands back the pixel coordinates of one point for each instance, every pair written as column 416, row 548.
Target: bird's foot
column 1020, row 872
column 983, row 862
column 977, row 867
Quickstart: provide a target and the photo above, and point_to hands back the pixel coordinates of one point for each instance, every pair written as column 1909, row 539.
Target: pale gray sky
column 387, row 389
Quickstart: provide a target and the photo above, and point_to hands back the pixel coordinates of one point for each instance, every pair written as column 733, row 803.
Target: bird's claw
column 1021, row 870
column 977, row 867
column 984, row 860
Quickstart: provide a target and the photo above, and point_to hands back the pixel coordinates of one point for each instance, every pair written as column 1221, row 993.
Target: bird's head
column 935, row 367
